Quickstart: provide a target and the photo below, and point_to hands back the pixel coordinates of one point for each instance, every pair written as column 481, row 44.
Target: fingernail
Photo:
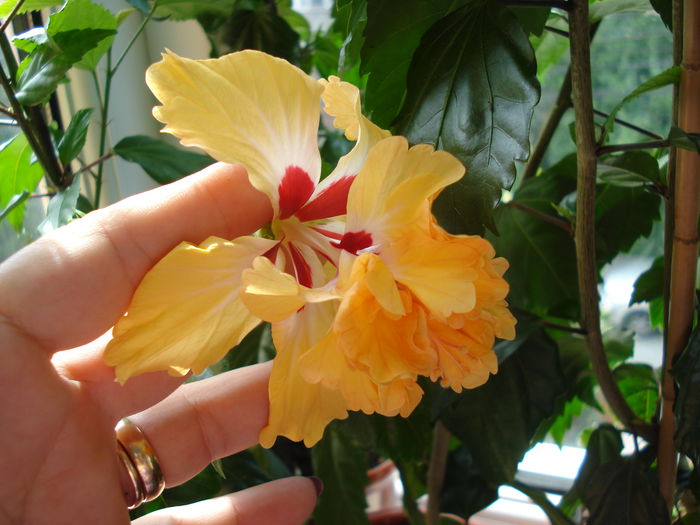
column 318, row 484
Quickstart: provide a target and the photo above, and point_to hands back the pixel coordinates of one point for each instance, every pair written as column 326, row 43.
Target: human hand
column 58, row 461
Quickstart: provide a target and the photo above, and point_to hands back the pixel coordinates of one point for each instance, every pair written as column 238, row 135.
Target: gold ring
column 140, row 462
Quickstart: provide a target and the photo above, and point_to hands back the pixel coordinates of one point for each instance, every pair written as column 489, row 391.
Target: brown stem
column 436, row 472
column 651, row 144
column 8, row 112
column 88, row 167
column 563, row 328
column 585, row 218
column 562, row 103
column 10, row 16
column 685, row 241
column 559, row 223
column 629, row 125
column 557, row 31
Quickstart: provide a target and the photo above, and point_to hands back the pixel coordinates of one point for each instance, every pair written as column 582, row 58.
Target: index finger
column 69, row 287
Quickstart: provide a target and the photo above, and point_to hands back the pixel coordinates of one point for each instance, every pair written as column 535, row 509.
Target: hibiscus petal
column 248, row 108
column 394, row 184
column 274, row 295
column 300, row 410
column 186, row 313
column 342, row 101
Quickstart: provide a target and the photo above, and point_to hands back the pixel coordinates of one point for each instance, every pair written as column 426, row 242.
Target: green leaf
column 686, row 372
column 465, row 492
column 326, row 56
column 61, row 209
column 533, row 19
column 665, row 78
column 472, row 88
column 342, row 465
column 497, row 421
column 161, row 161
column 140, row 5
column 258, row 28
column 550, row 47
column 392, row 35
column 616, row 228
column 28, row 5
column 563, row 422
column 542, row 256
column 85, row 14
column 632, row 169
column 604, row 446
column 685, row 140
column 73, row 140
column 638, row 385
column 18, row 176
column 350, row 23
column 47, row 65
column 650, row 284
column 555, row 515
column 15, row 201
column 599, row 10
column 188, row 9
column 665, row 10
column 624, row 491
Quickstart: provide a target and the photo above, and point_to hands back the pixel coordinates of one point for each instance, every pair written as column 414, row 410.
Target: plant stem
column 103, row 96
column 685, row 242
column 557, row 31
column 652, row 144
column 629, row 125
column 563, row 328
column 112, row 70
column 10, row 16
column 409, row 498
column 436, row 472
column 559, row 223
column 585, row 218
column 96, row 162
column 562, row 103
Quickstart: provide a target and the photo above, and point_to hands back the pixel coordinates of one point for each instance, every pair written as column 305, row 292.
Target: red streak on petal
column 333, row 235
column 322, row 255
column 272, row 252
column 353, row 242
column 301, row 267
column 294, row 190
column 331, row 202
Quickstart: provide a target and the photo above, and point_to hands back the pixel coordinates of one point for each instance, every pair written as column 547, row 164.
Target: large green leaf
column 665, row 78
column 161, row 161
column 342, row 465
column 259, row 28
column 632, row 169
column 623, row 491
column 465, row 491
column 188, row 9
column 47, row 65
column 604, row 446
column 394, row 30
column 73, row 140
column 685, row 140
column 533, row 19
column 85, row 14
column 17, row 175
column 686, row 372
column 665, row 10
column 472, row 88
column 542, row 256
column 497, row 422
column 555, row 515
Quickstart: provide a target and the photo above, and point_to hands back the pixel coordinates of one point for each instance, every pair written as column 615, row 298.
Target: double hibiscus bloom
column 364, row 290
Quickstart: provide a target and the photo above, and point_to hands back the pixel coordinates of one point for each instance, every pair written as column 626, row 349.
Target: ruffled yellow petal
column 300, row 410
column 186, row 313
column 375, row 340
column 395, row 183
column 326, row 364
column 341, row 100
column 248, row 108
column 273, row 295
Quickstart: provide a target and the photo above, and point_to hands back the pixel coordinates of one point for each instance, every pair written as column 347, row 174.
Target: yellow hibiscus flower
column 409, row 300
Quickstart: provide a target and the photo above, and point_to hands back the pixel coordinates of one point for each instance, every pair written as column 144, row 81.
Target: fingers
column 287, row 501
column 79, row 279
column 207, row 420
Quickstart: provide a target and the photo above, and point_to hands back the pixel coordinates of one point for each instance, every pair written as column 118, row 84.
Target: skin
column 60, row 403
